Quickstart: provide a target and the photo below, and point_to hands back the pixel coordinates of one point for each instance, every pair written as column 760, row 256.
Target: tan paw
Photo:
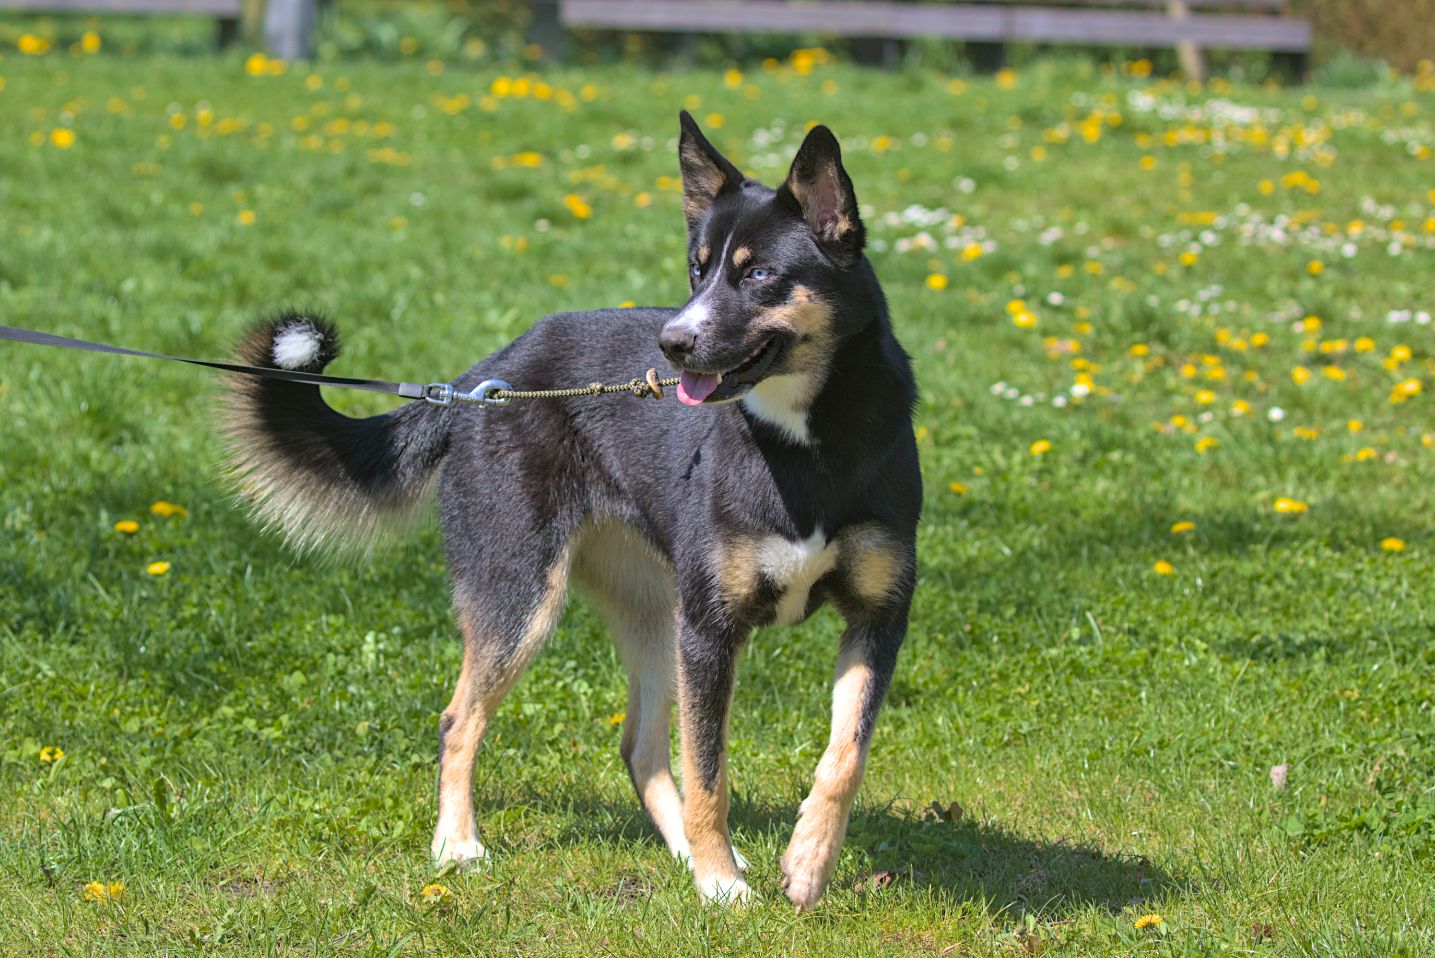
column 806, row 869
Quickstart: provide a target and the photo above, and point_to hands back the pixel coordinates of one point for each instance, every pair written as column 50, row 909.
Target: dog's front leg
column 707, row 658
column 864, row 670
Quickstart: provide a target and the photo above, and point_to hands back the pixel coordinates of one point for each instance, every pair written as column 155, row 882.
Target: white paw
column 724, row 891
column 686, row 857
column 463, row 854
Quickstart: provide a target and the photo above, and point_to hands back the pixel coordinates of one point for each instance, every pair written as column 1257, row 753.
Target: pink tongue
column 693, row 388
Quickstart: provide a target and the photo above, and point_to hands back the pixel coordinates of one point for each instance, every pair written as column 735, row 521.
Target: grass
column 248, row 739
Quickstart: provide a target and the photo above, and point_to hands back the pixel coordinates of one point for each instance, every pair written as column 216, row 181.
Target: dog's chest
column 791, row 567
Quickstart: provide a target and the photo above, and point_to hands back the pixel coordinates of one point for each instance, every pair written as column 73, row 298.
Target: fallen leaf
column 951, row 812
column 877, row 880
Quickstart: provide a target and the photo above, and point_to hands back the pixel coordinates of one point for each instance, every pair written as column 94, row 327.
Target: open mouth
column 696, row 388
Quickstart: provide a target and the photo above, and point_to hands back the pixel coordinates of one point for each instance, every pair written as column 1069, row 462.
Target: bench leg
column 289, row 28
column 986, row 57
column 1291, row 65
column 545, row 30
column 227, row 33
column 882, row 52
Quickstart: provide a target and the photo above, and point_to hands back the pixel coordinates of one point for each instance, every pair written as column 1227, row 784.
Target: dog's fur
column 793, row 484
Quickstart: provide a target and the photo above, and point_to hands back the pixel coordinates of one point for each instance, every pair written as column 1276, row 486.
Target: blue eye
column 759, row 273
column 695, row 271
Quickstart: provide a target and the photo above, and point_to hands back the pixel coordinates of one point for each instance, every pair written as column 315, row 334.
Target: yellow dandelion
column 1162, row 567
column 972, row 251
column 103, row 891
column 1389, row 544
column 1300, row 375
column 1041, row 447
column 578, row 206
column 1406, row 390
column 246, row 217
column 53, row 753
column 127, row 527
column 1185, row 525
column 158, row 568
column 627, row 304
column 937, row 282
column 435, row 894
column 166, row 509
column 1139, row 350
column 1205, row 444
column 62, row 138
column 1289, row 506
column 1189, row 258
column 1315, row 267
column 1149, row 921
column 958, row 488
column 617, row 718
column 90, row 41
column 31, row 45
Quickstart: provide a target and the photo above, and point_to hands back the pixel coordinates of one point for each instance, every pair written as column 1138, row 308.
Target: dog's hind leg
column 633, row 589
column 504, row 624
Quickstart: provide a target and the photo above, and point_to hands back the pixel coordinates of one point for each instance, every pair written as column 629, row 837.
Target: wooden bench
column 1193, row 24
column 228, row 12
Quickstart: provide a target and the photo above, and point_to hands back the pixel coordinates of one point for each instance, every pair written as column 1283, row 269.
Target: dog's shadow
column 962, row 861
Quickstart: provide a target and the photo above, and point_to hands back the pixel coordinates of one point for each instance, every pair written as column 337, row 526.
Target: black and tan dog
column 788, row 478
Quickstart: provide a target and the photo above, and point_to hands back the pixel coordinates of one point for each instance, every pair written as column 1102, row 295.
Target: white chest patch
column 794, row 567
column 781, row 401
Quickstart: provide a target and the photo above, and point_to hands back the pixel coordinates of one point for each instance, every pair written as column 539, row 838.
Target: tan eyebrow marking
column 741, row 255
column 703, row 253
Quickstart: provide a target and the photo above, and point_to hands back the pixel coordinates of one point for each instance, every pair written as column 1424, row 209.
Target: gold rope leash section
column 496, row 392
column 649, row 385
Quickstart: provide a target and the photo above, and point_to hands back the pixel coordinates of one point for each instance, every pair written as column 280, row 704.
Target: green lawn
column 1200, row 304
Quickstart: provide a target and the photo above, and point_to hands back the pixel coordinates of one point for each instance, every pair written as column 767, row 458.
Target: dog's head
column 775, row 274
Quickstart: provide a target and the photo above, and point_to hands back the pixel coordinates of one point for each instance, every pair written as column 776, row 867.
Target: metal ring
column 483, row 393
column 440, row 394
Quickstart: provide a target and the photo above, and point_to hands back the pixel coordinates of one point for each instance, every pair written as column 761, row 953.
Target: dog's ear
column 706, row 172
column 819, row 187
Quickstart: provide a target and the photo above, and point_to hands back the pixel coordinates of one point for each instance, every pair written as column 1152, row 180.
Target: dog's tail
column 323, row 479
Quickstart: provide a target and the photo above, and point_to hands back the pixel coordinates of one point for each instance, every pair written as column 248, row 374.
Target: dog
column 786, row 478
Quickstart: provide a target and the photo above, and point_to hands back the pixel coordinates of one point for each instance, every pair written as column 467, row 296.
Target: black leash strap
column 406, row 390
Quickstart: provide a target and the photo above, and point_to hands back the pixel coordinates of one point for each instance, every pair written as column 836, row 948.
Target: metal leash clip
column 484, row 394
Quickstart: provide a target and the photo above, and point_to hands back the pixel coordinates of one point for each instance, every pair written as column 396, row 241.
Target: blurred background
column 1342, row 40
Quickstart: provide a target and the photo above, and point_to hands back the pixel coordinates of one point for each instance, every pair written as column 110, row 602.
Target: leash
column 489, row 393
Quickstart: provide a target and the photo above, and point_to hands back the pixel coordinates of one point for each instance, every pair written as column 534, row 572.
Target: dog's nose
column 677, row 342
